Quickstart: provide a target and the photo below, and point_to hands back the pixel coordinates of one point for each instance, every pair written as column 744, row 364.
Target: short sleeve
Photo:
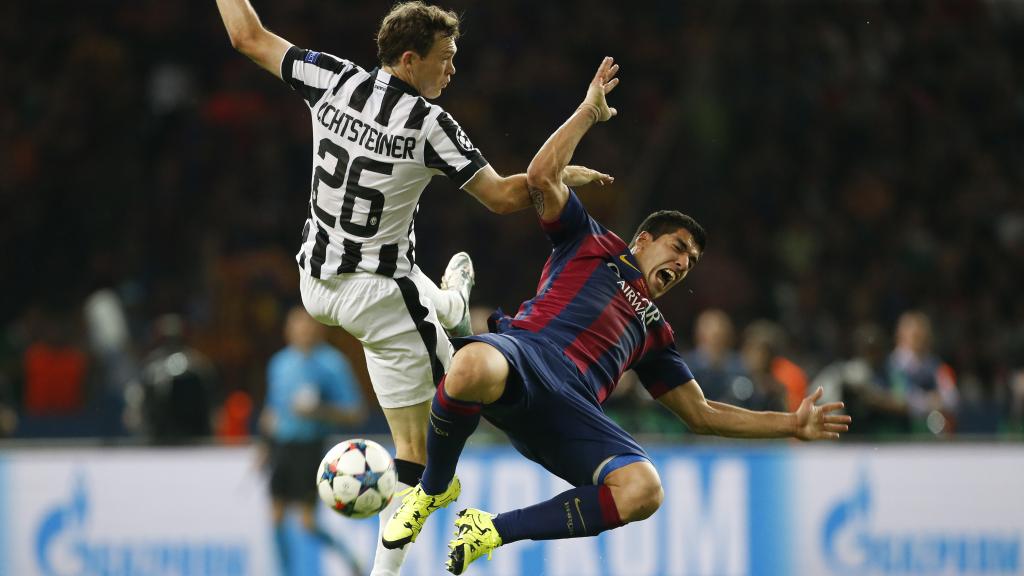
column 663, row 370
column 312, row 73
column 447, row 148
column 573, row 222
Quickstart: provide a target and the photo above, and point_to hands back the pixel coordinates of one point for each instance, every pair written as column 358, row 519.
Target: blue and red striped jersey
column 593, row 303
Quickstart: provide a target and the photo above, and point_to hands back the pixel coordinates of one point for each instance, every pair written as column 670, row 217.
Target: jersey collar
column 381, row 75
column 630, row 269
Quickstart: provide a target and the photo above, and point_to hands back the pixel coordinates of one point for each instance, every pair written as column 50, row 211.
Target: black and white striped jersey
column 376, row 145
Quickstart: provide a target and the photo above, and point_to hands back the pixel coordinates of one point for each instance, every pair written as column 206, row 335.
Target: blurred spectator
column 771, row 337
column 981, row 407
column 235, row 418
column 920, row 377
column 55, row 368
column 764, row 391
column 864, row 159
column 311, row 391
column 8, row 420
column 8, row 392
column 110, row 343
column 716, row 365
column 8, row 413
column 862, row 383
column 176, row 394
column 115, row 365
column 1017, row 400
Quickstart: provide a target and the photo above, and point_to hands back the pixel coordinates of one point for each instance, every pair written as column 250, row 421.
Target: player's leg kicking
column 454, row 420
column 615, row 482
column 451, row 298
column 406, row 353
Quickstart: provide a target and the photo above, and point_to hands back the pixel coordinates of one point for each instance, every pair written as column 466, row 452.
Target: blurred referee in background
column 310, row 391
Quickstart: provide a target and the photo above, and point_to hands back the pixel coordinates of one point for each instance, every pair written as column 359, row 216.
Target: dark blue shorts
column 548, row 413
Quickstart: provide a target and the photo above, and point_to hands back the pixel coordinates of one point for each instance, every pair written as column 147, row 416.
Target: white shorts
column 407, row 351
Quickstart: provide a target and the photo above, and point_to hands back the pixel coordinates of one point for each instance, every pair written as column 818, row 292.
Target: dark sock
column 281, row 545
column 583, row 511
column 408, row 472
column 451, row 423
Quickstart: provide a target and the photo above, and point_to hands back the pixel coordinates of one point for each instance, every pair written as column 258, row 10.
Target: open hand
column 818, row 422
column 604, row 82
column 576, row 176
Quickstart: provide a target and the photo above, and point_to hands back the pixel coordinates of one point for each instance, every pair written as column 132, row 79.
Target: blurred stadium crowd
column 859, row 167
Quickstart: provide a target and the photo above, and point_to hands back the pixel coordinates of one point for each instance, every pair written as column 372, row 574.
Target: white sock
column 389, row 562
column 448, row 304
column 452, row 309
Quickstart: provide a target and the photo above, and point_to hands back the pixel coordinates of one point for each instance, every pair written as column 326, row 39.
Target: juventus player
column 377, row 142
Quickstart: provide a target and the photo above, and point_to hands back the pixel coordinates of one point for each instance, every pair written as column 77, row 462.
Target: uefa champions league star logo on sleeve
column 67, row 545
column 463, row 140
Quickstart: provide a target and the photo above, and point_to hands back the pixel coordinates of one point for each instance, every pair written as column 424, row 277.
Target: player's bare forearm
column 507, row 194
column 735, row 422
column 500, row 194
column 240, row 20
column 249, row 37
column 709, row 417
column 515, row 193
column 544, row 176
column 809, row 422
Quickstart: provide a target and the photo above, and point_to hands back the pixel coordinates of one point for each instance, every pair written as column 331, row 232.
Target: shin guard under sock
column 452, row 422
column 583, row 511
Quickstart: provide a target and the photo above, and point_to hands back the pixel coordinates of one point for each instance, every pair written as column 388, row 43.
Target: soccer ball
column 356, row 478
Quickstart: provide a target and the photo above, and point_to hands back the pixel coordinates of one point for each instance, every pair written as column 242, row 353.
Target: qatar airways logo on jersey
column 644, row 308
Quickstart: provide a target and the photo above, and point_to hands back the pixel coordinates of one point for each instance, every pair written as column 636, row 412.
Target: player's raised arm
column 550, row 167
column 809, row 422
column 506, row 194
column 544, row 176
column 249, row 37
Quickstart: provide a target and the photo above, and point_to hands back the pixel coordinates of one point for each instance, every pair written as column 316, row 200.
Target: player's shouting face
column 667, row 259
column 432, row 73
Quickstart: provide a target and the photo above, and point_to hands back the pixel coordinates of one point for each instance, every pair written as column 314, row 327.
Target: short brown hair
column 413, row 26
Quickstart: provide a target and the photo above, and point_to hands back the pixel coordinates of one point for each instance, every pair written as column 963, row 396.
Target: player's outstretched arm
column 500, row 194
column 249, row 37
column 809, row 422
column 507, row 194
column 576, row 176
column 544, row 177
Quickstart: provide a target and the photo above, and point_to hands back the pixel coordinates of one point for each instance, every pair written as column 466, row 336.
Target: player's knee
column 638, row 494
column 645, row 500
column 477, row 373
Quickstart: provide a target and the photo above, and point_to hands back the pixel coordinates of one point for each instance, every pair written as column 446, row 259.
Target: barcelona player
column 542, row 376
